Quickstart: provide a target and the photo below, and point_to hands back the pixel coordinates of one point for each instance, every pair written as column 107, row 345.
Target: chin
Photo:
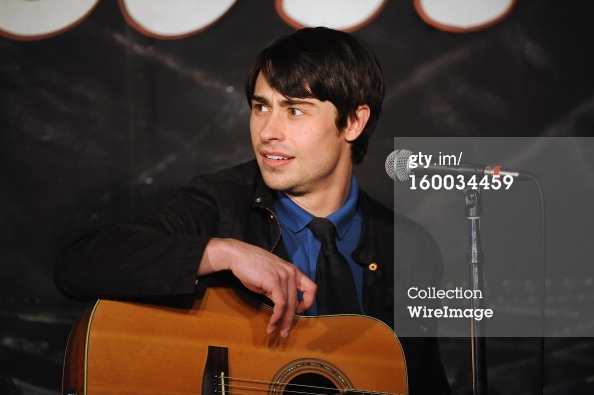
column 280, row 183
column 277, row 183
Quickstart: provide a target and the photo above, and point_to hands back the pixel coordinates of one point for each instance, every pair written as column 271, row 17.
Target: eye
column 259, row 107
column 295, row 112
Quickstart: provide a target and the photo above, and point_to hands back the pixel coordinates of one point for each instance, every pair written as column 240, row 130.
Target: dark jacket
column 158, row 255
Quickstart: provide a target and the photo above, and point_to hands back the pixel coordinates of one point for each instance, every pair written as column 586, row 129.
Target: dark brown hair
column 328, row 65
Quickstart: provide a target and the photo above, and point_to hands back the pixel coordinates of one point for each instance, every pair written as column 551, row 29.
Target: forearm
column 229, row 254
column 216, row 257
column 150, row 256
column 130, row 261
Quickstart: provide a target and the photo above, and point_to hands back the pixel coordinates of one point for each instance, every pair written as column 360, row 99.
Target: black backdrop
column 98, row 123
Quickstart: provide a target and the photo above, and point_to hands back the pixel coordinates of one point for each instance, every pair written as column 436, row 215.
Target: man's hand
column 265, row 273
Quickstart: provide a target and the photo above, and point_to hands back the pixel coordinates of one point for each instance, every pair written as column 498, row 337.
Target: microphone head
column 397, row 165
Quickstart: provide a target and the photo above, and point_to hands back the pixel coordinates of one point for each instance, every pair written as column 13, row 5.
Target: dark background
column 98, row 123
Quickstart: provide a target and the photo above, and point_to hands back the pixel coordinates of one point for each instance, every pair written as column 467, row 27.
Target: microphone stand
column 474, row 210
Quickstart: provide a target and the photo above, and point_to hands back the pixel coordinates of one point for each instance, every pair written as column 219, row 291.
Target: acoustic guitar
column 220, row 346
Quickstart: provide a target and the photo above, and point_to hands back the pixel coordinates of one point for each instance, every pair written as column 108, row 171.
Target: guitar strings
column 304, row 386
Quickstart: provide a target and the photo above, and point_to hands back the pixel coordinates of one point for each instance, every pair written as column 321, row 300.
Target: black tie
column 336, row 286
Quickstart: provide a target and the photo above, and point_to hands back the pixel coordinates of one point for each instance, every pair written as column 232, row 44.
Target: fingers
column 284, row 297
column 281, row 319
column 264, row 273
column 308, row 289
column 286, row 303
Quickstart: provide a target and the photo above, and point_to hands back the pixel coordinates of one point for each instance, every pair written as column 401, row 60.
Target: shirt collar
column 296, row 219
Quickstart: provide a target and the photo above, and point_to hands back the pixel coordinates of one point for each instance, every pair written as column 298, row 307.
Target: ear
column 357, row 123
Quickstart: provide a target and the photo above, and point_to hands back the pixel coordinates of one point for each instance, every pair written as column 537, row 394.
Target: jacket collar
column 364, row 254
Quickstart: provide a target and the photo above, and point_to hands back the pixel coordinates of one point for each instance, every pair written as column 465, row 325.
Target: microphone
column 401, row 164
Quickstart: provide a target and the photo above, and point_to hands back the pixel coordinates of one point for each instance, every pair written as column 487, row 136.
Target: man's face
column 297, row 145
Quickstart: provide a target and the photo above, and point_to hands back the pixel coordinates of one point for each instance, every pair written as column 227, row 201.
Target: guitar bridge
column 215, row 379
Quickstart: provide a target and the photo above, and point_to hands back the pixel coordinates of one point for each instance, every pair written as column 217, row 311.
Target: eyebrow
column 285, row 103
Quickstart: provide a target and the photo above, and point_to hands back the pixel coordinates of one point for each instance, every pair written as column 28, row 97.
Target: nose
column 271, row 128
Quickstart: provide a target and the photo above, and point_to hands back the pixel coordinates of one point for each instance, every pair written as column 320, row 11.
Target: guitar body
column 122, row 347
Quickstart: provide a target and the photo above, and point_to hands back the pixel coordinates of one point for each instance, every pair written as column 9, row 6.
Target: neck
column 323, row 201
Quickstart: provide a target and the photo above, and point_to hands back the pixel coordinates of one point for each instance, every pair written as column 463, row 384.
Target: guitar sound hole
column 310, row 383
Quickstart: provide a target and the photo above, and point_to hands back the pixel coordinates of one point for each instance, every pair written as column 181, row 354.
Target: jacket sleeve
column 418, row 264
column 152, row 256
column 426, row 375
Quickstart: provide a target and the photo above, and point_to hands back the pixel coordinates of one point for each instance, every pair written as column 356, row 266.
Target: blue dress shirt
column 303, row 247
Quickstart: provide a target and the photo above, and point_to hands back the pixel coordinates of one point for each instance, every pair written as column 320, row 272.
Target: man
column 315, row 96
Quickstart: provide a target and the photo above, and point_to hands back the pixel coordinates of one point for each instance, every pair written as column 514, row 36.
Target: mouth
column 275, row 159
